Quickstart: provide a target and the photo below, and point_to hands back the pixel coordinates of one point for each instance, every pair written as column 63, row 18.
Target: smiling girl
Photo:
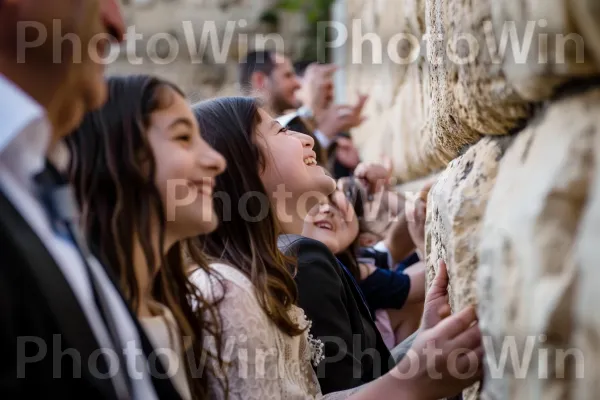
column 276, row 347
column 133, row 161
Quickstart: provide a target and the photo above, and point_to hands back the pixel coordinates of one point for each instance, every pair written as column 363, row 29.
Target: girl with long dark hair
column 295, row 324
column 144, row 179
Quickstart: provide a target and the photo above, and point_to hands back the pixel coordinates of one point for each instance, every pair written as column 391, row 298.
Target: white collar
column 284, row 120
column 25, row 131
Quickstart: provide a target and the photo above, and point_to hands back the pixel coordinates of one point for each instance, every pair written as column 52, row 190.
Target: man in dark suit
column 66, row 331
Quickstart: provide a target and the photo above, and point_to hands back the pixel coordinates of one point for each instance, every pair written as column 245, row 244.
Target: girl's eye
column 283, row 130
column 183, row 138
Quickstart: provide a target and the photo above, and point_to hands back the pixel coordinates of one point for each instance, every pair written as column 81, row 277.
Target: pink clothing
column 384, row 325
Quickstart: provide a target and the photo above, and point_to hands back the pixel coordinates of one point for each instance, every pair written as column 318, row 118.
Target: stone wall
column 229, row 27
column 434, row 97
column 565, row 45
column 456, row 205
column 536, row 272
column 537, row 262
column 515, row 209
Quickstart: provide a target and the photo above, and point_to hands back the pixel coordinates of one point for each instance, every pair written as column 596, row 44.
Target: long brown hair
column 247, row 234
column 113, row 171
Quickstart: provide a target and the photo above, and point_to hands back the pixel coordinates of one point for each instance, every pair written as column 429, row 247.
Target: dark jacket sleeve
column 386, row 289
column 9, row 304
column 324, row 300
column 407, row 262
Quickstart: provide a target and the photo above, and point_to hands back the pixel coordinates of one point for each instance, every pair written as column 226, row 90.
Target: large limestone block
column 538, row 273
column 455, row 209
column 585, row 319
column 445, row 100
column 556, row 40
column 470, row 96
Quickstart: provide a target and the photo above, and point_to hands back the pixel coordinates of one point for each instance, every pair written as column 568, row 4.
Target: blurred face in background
column 282, row 85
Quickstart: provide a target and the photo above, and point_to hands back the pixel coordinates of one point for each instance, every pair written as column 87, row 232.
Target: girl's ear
column 366, row 240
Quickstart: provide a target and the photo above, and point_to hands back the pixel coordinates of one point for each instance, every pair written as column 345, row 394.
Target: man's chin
column 290, row 104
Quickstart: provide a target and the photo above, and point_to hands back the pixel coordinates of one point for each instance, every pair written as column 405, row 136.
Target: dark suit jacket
column 40, row 318
column 354, row 350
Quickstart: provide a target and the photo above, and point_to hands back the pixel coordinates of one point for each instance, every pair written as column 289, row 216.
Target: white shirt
column 25, row 135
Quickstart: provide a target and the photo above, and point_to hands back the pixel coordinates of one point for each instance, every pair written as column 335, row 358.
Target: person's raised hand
column 375, row 176
column 353, row 115
column 341, row 118
column 317, row 88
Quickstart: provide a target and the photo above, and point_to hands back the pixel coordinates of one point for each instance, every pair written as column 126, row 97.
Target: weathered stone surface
column 561, row 38
column 538, row 273
column 442, row 101
column 397, row 104
column 469, row 92
column 455, row 209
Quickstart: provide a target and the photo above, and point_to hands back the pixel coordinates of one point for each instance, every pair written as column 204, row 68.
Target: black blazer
column 38, row 306
column 354, row 350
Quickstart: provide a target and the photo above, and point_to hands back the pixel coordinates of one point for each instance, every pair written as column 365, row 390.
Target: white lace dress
column 263, row 362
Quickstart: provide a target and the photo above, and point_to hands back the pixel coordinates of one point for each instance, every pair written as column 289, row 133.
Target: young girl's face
column 185, row 168
column 291, row 170
column 333, row 222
